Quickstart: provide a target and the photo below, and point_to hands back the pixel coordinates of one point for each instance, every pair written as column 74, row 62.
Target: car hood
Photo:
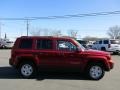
column 95, row 52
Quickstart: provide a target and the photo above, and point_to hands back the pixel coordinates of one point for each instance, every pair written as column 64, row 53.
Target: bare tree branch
column 56, row 33
column 114, row 32
column 73, row 33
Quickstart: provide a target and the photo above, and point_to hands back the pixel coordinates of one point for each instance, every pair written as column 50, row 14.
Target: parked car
column 6, row 44
column 110, row 45
column 83, row 43
column 46, row 53
column 0, row 45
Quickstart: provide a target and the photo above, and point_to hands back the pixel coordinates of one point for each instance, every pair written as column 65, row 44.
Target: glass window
column 100, row 42
column 65, row 46
column 26, row 44
column 115, row 41
column 44, row 44
column 106, row 42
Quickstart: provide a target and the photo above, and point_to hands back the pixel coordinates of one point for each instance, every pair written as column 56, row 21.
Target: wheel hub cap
column 26, row 70
column 95, row 72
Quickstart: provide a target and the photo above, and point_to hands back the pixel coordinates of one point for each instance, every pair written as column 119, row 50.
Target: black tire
column 31, row 72
column 92, row 74
column 103, row 49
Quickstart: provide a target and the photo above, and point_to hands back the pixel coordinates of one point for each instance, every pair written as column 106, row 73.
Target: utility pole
column 0, row 30
column 27, row 27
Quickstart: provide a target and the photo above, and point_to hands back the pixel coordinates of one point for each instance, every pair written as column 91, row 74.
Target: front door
column 69, row 56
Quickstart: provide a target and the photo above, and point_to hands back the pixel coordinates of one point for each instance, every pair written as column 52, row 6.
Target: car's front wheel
column 27, row 70
column 95, row 71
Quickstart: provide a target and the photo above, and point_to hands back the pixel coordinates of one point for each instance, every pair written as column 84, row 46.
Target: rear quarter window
column 25, row 44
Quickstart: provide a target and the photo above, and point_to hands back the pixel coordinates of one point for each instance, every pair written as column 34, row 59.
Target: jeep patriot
column 31, row 54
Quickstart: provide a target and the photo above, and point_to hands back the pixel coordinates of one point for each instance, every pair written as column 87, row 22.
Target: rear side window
column 115, row 41
column 26, row 44
column 44, row 44
column 106, row 41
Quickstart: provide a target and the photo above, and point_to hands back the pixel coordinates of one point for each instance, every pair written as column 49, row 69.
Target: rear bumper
column 10, row 62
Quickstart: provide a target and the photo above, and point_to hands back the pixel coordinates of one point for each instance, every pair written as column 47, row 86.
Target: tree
column 114, row 32
column 56, row 33
column 89, row 38
column 40, row 31
column 35, row 31
column 45, row 32
column 73, row 33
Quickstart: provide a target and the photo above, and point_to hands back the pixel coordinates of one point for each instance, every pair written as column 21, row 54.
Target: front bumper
column 111, row 64
column 113, row 50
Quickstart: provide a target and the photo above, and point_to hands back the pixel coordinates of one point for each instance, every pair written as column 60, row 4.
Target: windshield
column 115, row 41
column 82, row 42
column 80, row 46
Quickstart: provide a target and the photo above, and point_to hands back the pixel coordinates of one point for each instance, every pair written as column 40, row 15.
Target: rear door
column 46, row 53
column 115, row 44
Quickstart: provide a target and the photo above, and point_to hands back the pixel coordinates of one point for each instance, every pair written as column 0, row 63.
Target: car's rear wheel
column 95, row 71
column 27, row 70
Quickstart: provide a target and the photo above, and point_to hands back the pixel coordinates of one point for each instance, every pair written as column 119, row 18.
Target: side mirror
column 78, row 50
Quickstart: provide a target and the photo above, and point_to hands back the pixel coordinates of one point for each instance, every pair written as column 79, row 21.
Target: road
column 10, row 80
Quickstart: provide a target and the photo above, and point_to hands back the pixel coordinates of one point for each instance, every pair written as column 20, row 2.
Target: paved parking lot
column 10, row 80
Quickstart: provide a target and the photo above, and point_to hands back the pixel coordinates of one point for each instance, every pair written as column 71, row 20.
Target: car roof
column 108, row 39
column 63, row 37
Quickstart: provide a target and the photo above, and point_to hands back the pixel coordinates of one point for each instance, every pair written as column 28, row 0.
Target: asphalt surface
column 10, row 79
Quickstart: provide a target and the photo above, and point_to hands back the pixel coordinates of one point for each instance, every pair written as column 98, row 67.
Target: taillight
column 109, row 45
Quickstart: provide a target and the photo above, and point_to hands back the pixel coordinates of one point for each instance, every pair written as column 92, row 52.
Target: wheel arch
column 26, row 59
column 101, row 61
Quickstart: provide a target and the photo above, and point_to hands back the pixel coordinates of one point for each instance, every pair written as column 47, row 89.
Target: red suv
column 46, row 53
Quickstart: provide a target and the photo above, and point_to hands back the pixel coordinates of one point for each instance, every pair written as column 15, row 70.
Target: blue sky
column 86, row 26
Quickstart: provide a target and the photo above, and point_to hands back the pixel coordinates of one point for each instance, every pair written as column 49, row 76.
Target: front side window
column 65, row 46
column 100, row 42
column 44, row 44
column 26, row 44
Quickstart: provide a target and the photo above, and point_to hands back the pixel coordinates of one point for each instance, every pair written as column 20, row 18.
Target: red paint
column 53, row 58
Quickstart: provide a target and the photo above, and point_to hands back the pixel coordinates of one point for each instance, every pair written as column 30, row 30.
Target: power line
column 15, row 19
column 79, row 15
column 65, row 16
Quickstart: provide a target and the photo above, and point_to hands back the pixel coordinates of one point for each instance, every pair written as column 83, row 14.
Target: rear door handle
column 41, row 53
